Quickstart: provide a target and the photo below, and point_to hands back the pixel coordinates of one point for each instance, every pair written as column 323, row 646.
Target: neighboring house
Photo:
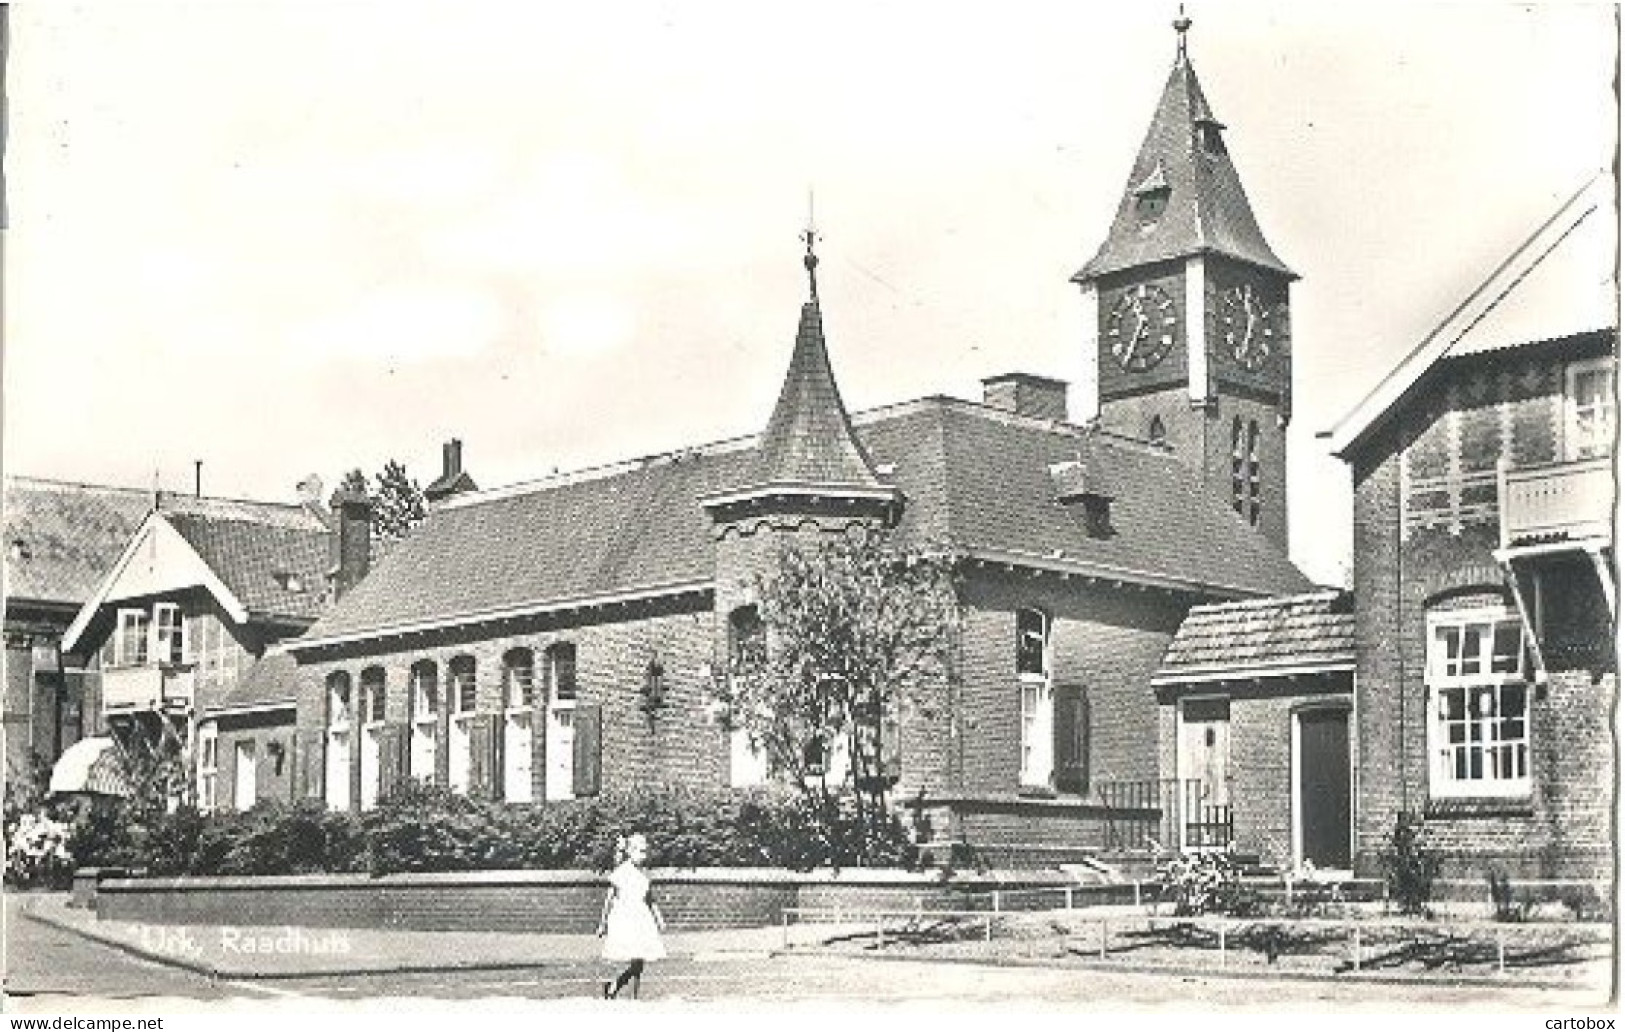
column 1256, row 702
column 177, row 640
column 561, row 638
column 60, row 540
column 1484, row 569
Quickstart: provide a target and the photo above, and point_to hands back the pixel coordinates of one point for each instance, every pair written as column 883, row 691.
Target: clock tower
column 1187, row 317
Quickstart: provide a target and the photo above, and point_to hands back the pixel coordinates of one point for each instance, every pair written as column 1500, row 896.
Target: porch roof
column 1266, row 637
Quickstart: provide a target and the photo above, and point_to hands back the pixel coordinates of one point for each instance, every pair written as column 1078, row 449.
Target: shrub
column 37, row 852
column 1507, row 906
column 1409, row 867
column 1205, row 883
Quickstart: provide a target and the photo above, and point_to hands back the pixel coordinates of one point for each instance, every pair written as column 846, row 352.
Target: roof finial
column 810, row 236
column 1182, row 25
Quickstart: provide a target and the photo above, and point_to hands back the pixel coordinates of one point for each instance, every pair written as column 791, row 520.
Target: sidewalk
column 284, row 952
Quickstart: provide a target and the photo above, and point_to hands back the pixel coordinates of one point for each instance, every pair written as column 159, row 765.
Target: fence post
column 987, row 928
column 1105, row 936
column 1356, row 932
column 880, row 932
column 1136, row 892
column 995, row 901
column 1069, row 897
column 784, row 923
column 1500, row 951
column 1221, row 944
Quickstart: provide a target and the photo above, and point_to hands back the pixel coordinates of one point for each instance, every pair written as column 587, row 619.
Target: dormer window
column 1210, row 138
column 1151, row 197
column 290, row 582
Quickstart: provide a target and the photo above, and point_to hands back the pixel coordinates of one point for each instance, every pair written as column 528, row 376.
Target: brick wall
column 1107, row 640
column 534, row 901
column 674, row 743
column 1563, row 829
column 272, row 736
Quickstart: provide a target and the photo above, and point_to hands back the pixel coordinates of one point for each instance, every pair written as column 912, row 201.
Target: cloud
column 402, row 326
column 586, row 325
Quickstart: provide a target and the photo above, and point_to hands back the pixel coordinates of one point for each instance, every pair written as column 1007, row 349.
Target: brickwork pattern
column 1564, row 828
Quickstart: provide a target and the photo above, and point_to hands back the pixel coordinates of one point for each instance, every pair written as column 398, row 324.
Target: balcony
column 146, row 688
column 1560, row 501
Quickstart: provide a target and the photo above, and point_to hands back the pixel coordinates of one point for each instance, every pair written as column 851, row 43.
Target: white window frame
column 1597, row 443
column 132, row 646
column 339, row 720
column 426, row 698
column 1482, row 741
column 518, row 712
column 464, row 704
column 557, row 706
column 244, row 794
column 208, row 766
column 371, row 700
column 170, row 644
column 1037, row 705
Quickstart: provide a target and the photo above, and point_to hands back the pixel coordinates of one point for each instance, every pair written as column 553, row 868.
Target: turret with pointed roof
column 808, row 460
column 1188, row 306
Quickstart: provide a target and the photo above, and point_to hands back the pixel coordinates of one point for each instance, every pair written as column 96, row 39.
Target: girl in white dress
column 631, row 923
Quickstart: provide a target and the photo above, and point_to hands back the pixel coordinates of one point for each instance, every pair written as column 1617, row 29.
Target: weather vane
column 1182, row 25
column 810, row 236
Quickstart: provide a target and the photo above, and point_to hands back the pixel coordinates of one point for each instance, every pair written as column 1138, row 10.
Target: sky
column 288, row 237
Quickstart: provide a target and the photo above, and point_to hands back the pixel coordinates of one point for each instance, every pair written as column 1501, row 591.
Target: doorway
column 1204, row 772
column 1321, row 797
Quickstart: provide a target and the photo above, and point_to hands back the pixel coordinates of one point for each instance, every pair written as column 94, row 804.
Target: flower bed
column 1358, row 940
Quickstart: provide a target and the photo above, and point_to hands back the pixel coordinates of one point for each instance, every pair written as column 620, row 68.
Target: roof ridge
column 1326, row 594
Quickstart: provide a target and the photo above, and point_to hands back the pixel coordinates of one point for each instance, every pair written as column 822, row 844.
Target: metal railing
column 1165, row 810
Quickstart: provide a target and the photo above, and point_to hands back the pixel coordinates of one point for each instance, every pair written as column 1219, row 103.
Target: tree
column 397, row 501
column 852, row 633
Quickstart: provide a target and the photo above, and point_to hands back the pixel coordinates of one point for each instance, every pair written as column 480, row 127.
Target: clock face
column 1252, row 329
column 1141, row 327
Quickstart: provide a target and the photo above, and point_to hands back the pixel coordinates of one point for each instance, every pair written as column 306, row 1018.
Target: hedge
column 428, row 829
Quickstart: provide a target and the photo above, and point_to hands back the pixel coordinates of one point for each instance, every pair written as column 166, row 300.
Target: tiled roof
column 1207, row 210
column 973, row 476
column 272, row 680
column 1254, row 637
column 62, row 538
column 256, row 557
column 809, row 439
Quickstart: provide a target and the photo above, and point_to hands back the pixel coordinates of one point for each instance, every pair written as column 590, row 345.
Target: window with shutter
column 588, row 744
column 1071, row 739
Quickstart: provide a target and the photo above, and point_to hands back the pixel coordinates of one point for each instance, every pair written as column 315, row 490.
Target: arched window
column 518, row 740
column 1478, row 702
column 463, row 690
column 337, row 767
column 424, row 697
column 747, row 643
column 1255, row 487
column 559, row 677
column 1238, row 466
column 1037, row 698
column 518, row 679
column 372, row 724
column 1157, row 433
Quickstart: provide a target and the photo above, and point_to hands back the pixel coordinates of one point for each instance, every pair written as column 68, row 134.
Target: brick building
column 1254, row 702
column 60, row 540
column 177, row 642
column 1484, row 569
column 560, row 638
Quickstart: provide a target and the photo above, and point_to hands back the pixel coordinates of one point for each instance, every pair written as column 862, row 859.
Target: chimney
column 453, row 479
column 1026, row 394
column 352, row 538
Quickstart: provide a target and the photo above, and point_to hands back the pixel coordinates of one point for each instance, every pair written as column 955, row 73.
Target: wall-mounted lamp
column 654, row 686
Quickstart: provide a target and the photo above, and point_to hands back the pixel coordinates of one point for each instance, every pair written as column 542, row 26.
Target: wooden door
column 1323, row 788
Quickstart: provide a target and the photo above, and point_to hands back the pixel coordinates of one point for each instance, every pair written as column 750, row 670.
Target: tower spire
column 1182, row 25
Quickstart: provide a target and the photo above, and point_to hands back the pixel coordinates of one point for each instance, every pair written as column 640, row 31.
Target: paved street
column 53, row 962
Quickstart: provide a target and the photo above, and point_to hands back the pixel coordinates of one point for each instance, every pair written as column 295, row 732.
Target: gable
column 157, row 561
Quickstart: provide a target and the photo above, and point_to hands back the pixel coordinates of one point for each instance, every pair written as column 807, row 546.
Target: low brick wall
column 563, row 901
